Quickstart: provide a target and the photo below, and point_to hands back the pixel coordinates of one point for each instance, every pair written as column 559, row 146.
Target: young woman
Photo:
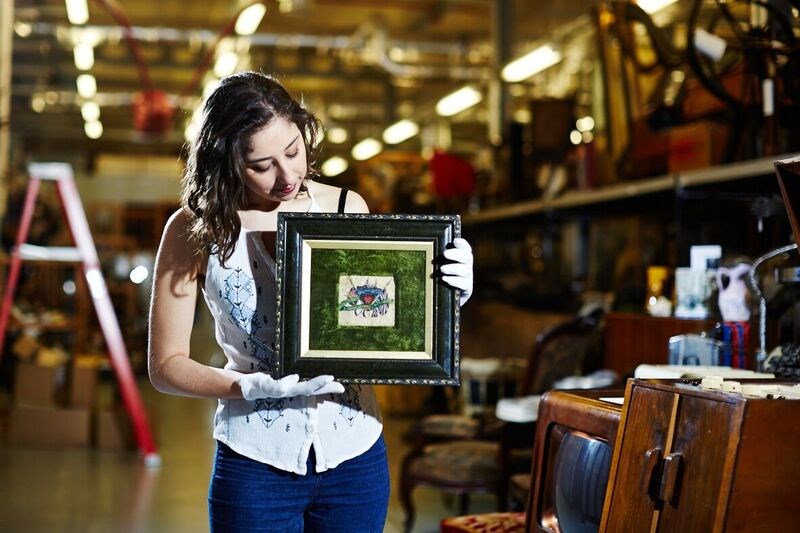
column 291, row 455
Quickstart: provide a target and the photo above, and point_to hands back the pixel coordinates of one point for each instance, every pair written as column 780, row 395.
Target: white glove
column 260, row 385
column 458, row 273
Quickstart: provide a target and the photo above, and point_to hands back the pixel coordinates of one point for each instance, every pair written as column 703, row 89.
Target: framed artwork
column 359, row 298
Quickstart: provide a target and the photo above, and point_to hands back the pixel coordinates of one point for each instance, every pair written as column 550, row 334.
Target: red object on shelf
column 452, row 176
column 85, row 253
column 152, row 111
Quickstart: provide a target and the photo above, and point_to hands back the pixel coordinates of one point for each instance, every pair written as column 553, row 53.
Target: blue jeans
column 246, row 495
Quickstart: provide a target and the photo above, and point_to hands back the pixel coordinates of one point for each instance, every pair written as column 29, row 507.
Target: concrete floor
column 86, row 490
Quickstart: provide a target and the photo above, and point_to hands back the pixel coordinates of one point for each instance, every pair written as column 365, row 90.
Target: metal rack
column 620, row 191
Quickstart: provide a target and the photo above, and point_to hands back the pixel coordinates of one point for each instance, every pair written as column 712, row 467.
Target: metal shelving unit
column 619, row 191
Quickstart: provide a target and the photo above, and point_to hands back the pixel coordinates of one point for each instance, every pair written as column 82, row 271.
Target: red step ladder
column 85, row 253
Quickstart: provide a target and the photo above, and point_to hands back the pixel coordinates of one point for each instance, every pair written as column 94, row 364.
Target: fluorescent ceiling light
column 226, row 63
column 248, row 20
column 93, row 129
column 23, row 29
column 334, row 166
column 531, row 63
column 90, row 111
column 336, row 135
column 77, row 11
column 367, row 148
column 38, row 102
column 400, row 131
column 458, row 101
column 584, row 124
column 651, row 6
column 83, row 54
column 87, row 85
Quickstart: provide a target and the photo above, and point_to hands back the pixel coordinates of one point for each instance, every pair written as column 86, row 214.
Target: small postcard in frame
column 359, row 297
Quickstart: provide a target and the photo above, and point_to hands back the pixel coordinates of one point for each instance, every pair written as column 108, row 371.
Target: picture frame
column 358, row 297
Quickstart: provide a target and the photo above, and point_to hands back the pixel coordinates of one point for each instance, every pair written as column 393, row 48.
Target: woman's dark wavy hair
column 213, row 182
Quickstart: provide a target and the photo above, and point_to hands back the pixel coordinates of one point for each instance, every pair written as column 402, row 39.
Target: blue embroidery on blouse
column 269, row 410
column 238, row 290
column 350, row 403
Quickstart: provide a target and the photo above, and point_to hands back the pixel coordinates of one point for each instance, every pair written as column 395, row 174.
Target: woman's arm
column 172, row 307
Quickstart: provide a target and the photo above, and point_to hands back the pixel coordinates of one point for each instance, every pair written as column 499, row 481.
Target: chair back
column 485, row 381
column 571, row 348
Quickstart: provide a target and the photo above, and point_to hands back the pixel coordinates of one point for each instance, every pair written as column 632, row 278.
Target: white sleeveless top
column 277, row 431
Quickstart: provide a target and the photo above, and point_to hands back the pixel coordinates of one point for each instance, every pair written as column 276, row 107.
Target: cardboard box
column 113, row 430
column 82, row 389
column 25, row 347
column 38, row 385
column 52, row 427
column 696, row 145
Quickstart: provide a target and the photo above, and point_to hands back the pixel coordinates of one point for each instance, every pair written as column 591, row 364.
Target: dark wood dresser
column 689, row 459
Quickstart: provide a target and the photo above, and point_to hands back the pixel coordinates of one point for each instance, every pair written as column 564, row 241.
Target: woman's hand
column 260, row 385
column 458, row 272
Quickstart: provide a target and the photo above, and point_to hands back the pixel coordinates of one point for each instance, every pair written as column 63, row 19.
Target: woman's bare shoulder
column 177, row 245
column 181, row 218
column 327, row 197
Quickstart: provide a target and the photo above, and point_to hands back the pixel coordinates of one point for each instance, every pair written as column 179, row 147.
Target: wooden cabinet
column 688, row 459
column 632, row 339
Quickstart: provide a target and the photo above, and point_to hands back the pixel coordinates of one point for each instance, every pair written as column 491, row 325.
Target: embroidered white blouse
column 277, row 431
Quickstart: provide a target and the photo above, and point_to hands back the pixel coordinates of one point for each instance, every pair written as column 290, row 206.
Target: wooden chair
column 482, row 458
column 583, row 412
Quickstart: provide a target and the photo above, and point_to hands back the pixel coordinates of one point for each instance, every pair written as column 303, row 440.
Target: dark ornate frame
column 299, row 235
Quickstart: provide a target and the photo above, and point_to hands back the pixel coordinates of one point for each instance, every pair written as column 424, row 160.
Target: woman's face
column 275, row 164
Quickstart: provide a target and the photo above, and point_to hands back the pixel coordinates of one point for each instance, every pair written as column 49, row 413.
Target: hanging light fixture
column 90, row 111
column 226, row 63
column 83, row 55
column 336, row 135
column 77, row 11
column 531, row 63
column 248, row 20
column 87, row 85
column 93, row 129
column 366, row 149
column 651, row 6
column 458, row 101
column 400, row 131
column 334, row 166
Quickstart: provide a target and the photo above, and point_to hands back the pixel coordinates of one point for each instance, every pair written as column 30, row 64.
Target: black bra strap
column 342, row 200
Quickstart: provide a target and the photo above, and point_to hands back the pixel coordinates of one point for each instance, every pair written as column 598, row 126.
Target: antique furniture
column 633, row 338
column 692, row 459
column 575, row 435
column 470, row 465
